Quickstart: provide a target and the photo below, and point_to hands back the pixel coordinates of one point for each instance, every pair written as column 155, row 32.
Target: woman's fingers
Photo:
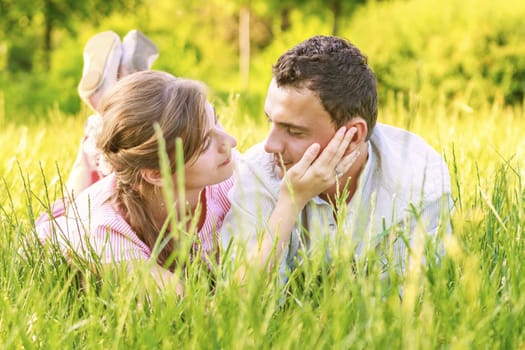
column 307, row 159
column 346, row 162
column 316, row 169
column 330, row 151
column 336, row 148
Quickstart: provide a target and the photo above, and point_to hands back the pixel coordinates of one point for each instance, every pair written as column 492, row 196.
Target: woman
column 120, row 217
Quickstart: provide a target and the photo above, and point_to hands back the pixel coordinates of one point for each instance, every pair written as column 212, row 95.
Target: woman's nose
column 231, row 140
column 227, row 141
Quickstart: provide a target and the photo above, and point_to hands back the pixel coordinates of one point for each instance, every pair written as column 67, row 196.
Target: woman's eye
column 206, row 144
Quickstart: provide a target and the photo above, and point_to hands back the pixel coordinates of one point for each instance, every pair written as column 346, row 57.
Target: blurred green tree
column 23, row 21
column 336, row 9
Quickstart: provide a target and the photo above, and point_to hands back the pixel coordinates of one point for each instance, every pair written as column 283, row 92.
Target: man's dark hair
column 337, row 72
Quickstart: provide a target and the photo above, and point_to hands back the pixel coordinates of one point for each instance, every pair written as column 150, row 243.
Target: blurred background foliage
column 467, row 52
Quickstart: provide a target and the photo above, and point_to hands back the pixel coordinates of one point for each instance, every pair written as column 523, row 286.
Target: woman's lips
column 226, row 162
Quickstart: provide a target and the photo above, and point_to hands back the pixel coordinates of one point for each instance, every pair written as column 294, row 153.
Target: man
column 397, row 183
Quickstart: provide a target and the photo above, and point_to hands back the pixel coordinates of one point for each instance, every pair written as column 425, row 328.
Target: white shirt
column 402, row 174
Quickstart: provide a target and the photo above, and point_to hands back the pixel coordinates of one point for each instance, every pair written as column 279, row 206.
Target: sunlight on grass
column 473, row 297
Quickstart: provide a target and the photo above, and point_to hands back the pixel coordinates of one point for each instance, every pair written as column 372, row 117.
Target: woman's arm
column 164, row 278
column 306, row 179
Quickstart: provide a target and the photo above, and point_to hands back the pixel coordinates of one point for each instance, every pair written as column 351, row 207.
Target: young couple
column 322, row 104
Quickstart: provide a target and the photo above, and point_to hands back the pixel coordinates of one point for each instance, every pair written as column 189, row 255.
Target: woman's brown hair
column 129, row 143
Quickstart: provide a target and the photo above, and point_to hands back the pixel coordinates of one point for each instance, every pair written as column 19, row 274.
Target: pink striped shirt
column 92, row 225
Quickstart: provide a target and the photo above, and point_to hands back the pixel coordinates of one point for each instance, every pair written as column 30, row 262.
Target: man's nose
column 273, row 142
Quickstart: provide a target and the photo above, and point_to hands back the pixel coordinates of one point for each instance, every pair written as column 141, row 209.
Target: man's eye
column 293, row 132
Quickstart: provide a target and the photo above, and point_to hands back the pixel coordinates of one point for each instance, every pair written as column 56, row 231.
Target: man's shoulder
column 400, row 137
column 256, row 165
column 408, row 165
column 257, row 155
column 254, row 171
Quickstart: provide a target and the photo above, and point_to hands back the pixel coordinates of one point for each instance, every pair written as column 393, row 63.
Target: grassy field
column 472, row 299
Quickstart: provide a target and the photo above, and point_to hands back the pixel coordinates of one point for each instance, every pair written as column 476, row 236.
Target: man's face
column 298, row 120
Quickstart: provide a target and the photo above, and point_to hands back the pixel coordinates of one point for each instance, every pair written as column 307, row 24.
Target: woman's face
column 215, row 163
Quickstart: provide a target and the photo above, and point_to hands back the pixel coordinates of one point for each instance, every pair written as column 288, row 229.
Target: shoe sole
column 99, row 50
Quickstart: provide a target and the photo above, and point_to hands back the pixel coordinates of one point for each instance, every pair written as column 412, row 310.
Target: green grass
column 472, row 299
column 450, row 53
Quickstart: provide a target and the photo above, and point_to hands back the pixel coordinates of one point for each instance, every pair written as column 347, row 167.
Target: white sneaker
column 139, row 53
column 102, row 55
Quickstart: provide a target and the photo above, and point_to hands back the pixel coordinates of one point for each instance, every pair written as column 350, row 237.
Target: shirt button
column 332, row 227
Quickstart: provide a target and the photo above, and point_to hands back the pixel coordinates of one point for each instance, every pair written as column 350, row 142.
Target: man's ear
column 152, row 176
column 360, row 135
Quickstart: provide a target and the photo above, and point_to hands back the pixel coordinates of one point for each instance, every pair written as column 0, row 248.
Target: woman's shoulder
column 217, row 201
column 221, row 187
column 100, row 191
column 95, row 228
